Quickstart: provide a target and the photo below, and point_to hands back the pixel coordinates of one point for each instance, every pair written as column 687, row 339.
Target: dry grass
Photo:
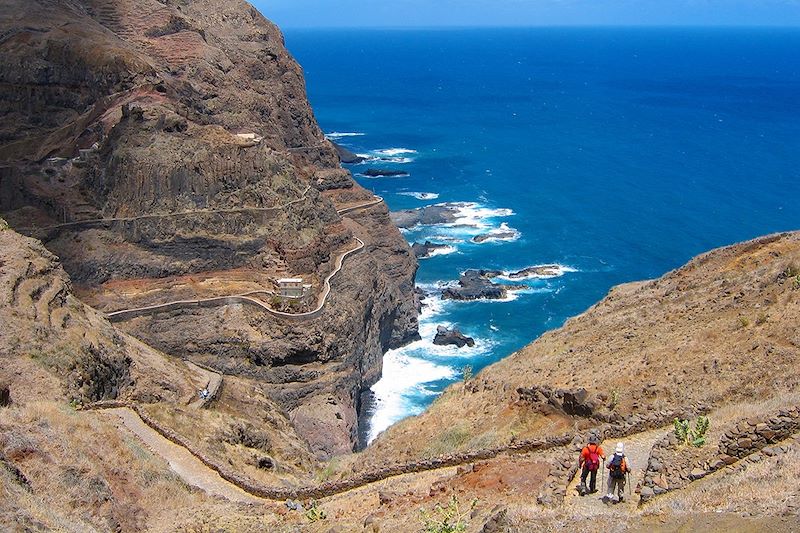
column 768, row 487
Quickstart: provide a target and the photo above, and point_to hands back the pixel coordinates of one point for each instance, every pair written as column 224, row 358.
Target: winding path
column 181, row 460
column 217, row 478
column 171, row 215
column 247, row 297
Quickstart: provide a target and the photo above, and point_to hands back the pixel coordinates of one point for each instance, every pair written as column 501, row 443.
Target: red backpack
column 593, row 462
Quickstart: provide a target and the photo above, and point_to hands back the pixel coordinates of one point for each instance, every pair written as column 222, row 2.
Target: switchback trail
column 247, row 298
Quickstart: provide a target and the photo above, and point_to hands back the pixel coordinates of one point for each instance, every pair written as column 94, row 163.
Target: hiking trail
column 637, row 451
column 180, row 460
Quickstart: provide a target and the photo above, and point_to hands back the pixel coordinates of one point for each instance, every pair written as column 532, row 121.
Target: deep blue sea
column 617, row 153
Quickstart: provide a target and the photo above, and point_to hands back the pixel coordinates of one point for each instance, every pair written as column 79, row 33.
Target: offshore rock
column 453, row 337
column 476, row 285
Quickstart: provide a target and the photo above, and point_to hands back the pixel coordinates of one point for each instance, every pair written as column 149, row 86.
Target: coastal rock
column 422, row 251
column 432, row 214
column 382, row 172
column 346, row 156
column 476, row 285
column 453, row 337
column 542, row 271
column 494, row 235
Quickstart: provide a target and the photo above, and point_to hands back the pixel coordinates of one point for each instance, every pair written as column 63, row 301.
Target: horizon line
column 445, row 27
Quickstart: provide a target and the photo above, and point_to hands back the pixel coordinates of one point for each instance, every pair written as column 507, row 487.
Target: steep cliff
column 165, row 150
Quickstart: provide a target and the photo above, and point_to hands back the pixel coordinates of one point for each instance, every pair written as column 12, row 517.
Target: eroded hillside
column 166, row 152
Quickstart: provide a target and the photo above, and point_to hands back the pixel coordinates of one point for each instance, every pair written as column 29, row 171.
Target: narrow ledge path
column 228, row 211
column 247, row 298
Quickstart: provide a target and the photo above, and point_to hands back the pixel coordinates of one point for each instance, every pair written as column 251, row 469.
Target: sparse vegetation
column 613, row 399
column 762, row 318
column 316, row 513
column 449, row 441
column 692, row 436
column 450, row 519
column 792, row 271
column 466, row 374
column 743, row 322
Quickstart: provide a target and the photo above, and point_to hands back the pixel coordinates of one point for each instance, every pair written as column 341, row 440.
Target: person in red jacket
column 590, row 460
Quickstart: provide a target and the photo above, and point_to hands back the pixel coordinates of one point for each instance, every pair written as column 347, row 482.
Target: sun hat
column 593, row 439
column 620, row 447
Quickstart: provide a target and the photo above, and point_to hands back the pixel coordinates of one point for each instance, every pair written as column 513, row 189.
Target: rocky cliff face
column 126, row 147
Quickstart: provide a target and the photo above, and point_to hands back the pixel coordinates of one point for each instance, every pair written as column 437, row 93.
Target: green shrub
column 614, row 399
column 792, row 271
column 762, row 318
column 315, row 513
column 744, row 321
column 692, row 437
column 448, row 519
column 466, row 372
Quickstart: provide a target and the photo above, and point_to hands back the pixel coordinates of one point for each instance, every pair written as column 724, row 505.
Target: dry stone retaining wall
column 565, row 464
column 672, row 465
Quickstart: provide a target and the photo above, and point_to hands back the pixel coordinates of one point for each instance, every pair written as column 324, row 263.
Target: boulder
column 422, row 251
column 453, row 337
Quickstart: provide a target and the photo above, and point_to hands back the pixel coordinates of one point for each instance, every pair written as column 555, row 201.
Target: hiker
column 618, row 469
column 590, row 460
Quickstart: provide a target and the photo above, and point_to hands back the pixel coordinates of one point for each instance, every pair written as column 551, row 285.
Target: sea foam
column 341, row 134
column 421, row 195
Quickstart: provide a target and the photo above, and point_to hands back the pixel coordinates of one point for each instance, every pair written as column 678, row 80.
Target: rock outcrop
column 477, row 285
column 166, row 151
column 426, row 249
column 384, row 173
column 445, row 337
column 5, row 395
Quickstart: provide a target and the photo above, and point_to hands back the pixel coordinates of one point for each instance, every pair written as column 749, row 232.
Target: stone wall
column 673, row 465
column 565, row 463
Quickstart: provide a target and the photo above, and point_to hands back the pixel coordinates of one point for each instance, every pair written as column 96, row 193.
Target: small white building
column 291, row 287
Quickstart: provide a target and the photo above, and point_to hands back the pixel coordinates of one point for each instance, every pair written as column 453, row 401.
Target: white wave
column 421, row 195
column 371, row 158
column 407, row 371
column 473, row 214
column 403, row 374
column 503, row 233
column 447, row 250
column 513, row 294
column 391, row 152
column 341, row 134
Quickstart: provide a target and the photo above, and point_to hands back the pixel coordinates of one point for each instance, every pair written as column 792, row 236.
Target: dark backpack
column 593, row 462
column 615, row 467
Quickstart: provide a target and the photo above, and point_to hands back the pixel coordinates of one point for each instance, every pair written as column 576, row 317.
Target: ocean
column 618, row 154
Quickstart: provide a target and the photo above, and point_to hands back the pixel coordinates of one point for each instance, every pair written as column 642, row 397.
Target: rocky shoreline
column 477, row 285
